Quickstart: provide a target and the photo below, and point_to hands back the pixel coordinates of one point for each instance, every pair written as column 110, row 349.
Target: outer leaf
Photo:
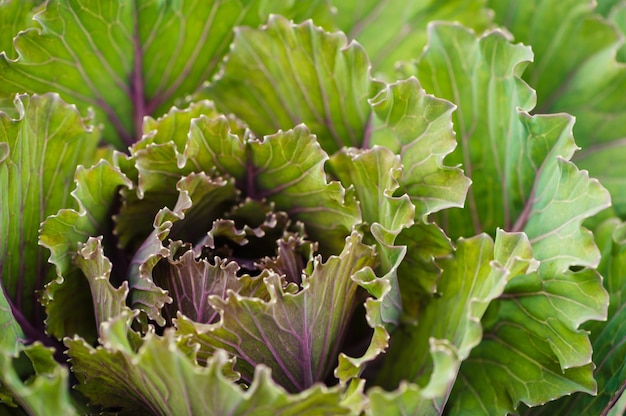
column 46, row 391
column 525, row 154
column 63, row 233
column 430, row 353
column 298, row 335
column 556, row 58
column 39, row 152
column 467, row 71
column 575, row 71
column 568, row 195
column 125, row 59
column 535, row 338
column 522, row 181
column 15, row 16
column 286, row 74
column 158, row 378
column 608, row 338
column 395, row 30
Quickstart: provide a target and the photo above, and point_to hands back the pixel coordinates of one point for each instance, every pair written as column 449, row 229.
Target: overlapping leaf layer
column 303, row 234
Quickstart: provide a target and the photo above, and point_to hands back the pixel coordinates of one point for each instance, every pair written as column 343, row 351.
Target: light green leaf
column 605, row 7
column 563, row 198
column 285, row 74
column 517, row 162
column 63, row 233
column 608, row 338
column 479, row 75
column 46, row 388
column 564, row 35
column 47, row 391
column 287, row 168
column 532, row 350
column 374, row 175
column 521, row 181
column 125, row 59
column 152, row 374
column 158, row 162
column 297, row 335
column 108, row 302
column 576, row 71
column 418, row 127
column 39, row 152
column 430, row 352
column 15, row 16
column 395, row 30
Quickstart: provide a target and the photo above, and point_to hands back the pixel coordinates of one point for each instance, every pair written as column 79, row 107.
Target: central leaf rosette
column 260, row 255
column 248, row 245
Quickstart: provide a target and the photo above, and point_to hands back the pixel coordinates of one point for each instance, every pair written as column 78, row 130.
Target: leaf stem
column 618, row 394
column 137, row 87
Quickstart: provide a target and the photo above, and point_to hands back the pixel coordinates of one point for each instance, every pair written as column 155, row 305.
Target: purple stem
column 137, row 87
column 367, row 134
column 32, row 333
column 611, row 404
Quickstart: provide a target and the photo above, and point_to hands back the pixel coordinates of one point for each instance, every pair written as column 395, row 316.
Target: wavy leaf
column 125, row 60
column 39, row 152
column 63, row 233
column 191, row 282
column 418, row 127
column 15, row 16
column 533, row 333
column 153, row 375
column 576, row 71
column 199, row 198
column 297, row 335
column 430, row 352
column 521, row 181
column 157, row 162
column 608, row 338
column 395, row 30
column 285, row 74
column 287, row 168
column 37, row 383
column 466, row 70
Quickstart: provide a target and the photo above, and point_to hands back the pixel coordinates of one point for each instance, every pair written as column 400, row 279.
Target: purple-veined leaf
column 63, row 233
column 429, row 353
column 126, row 59
column 578, row 68
column 45, row 390
column 39, row 154
column 395, row 30
column 522, row 179
column 298, row 335
column 285, row 74
column 152, row 374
